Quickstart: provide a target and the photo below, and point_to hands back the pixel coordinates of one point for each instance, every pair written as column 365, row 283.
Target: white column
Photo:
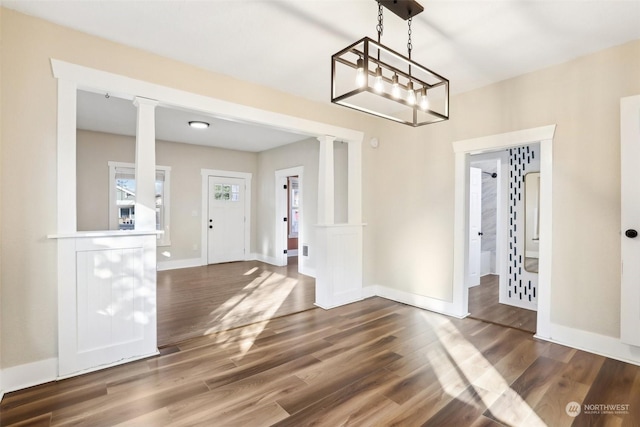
column 325, row 181
column 355, row 182
column 145, row 164
column 67, row 222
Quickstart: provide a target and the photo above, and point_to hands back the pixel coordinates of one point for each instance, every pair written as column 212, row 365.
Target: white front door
column 475, row 225
column 630, row 219
column 226, row 219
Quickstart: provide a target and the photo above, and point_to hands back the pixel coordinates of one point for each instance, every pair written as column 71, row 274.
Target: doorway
column 290, row 226
column 508, row 287
column 225, row 220
column 464, row 149
column 293, row 218
column 226, row 216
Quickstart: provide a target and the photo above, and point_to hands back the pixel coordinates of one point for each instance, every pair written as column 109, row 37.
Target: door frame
column 471, row 282
column 463, row 149
column 629, row 151
column 205, row 174
column 281, row 212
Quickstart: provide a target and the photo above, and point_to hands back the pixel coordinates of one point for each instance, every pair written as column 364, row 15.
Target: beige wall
column 582, row 98
column 93, row 152
column 408, row 180
column 96, row 149
column 305, row 154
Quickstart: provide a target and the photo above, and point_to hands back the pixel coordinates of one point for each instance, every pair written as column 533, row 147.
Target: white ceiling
column 287, row 45
column 109, row 114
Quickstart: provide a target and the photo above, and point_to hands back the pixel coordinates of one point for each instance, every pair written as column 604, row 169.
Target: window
column 122, row 199
column 226, row 192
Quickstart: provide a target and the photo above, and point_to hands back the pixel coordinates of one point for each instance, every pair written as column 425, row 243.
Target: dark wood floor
column 371, row 363
column 197, row 301
column 484, row 305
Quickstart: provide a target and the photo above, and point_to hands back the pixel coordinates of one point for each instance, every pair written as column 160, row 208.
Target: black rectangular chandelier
column 370, row 77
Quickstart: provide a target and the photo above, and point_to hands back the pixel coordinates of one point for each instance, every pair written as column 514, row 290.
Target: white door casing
column 462, row 149
column 281, row 227
column 630, row 220
column 226, row 219
column 475, row 225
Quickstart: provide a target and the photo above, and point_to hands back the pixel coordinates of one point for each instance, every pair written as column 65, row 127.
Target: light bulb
column 411, row 94
column 361, row 78
column 378, row 85
column 395, row 87
column 424, row 101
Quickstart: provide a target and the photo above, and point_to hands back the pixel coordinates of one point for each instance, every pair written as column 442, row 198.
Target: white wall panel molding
column 339, row 273
column 106, row 301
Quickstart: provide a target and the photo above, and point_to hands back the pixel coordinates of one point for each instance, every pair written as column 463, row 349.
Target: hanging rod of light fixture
column 370, row 77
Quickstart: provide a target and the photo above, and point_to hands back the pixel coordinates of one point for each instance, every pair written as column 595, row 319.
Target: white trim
column 175, row 264
column 109, row 365
column 29, row 374
column 66, row 157
column 204, row 244
column 108, row 233
column 292, row 252
column 415, row 300
column 503, row 140
column 340, row 299
column 125, row 87
column 307, row 271
column 267, row 259
column 281, row 227
column 1, row 389
column 462, row 149
column 603, row 345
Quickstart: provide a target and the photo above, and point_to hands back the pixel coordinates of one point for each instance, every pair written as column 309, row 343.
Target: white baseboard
column 420, row 301
column 179, row 263
column 368, row 291
column 593, row 343
column 266, row 259
column 1, row 388
column 292, row 252
column 340, row 299
column 29, row 374
column 307, row 271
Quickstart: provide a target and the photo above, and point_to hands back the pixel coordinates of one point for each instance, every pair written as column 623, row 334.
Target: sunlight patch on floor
column 459, row 364
column 257, row 302
column 251, row 271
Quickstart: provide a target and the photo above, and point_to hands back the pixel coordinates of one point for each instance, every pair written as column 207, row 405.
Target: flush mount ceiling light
column 198, row 124
column 372, row 78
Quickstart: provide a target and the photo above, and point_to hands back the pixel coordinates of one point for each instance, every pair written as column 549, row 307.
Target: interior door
column 475, row 224
column 226, row 221
column 630, row 219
